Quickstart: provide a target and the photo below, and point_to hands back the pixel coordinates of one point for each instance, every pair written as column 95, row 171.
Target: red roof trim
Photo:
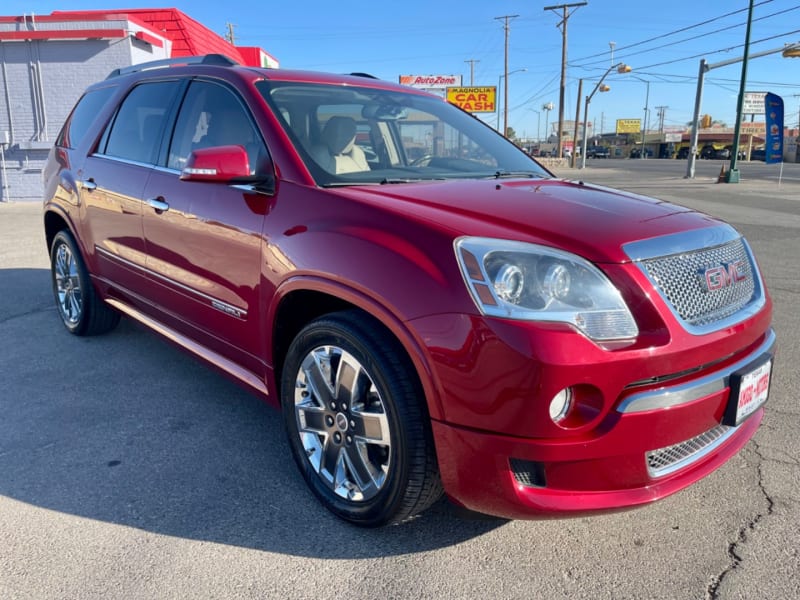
column 58, row 16
column 149, row 39
column 64, row 34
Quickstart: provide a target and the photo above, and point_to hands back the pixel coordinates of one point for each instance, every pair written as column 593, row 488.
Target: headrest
column 339, row 134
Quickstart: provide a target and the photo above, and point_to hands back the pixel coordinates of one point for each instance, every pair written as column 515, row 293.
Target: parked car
column 637, row 153
column 597, row 152
column 758, row 154
column 683, row 153
column 708, row 151
column 459, row 322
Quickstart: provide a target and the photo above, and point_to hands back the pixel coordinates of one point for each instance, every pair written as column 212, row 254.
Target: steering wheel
column 422, row 161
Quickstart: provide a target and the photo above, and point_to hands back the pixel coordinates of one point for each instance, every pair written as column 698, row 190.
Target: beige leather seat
column 339, row 152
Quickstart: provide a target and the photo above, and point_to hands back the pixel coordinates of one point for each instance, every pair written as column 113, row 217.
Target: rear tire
column 357, row 422
column 81, row 310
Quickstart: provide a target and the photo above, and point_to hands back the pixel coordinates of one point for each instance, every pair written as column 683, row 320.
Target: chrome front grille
column 681, row 280
column 668, row 460
column 707, row 277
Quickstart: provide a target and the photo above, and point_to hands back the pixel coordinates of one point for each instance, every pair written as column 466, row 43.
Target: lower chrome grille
column 667, row 460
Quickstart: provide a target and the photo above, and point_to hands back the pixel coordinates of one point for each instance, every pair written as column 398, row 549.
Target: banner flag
column 773, row 109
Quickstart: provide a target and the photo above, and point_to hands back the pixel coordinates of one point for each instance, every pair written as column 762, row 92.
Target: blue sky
column 660, row 40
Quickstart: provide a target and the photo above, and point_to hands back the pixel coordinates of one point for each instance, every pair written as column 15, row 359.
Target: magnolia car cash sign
column 473, row 99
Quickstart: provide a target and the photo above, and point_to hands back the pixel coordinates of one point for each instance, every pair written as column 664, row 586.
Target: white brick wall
column 66, row 68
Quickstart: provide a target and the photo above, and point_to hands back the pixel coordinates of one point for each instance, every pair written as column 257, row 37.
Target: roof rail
column 363, row 75
column 207, row 59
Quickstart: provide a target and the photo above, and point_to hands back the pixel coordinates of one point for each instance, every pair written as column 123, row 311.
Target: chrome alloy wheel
column 342, row 423
column 68, row 285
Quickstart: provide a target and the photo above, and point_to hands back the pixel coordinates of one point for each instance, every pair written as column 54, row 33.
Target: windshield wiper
column 508, row 174
column 387, row 180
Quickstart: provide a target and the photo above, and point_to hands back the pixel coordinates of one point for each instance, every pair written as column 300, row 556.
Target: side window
column 137, row 129
column 212, row 115
column 84, row 113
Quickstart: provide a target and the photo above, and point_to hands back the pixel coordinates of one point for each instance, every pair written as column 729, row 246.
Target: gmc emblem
column 724, row 275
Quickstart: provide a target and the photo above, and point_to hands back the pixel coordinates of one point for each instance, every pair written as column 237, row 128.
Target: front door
column 203, row 239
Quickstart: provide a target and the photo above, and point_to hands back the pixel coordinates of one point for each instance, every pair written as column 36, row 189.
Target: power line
column 681, row 30
column 694, row 37
column 702, row 54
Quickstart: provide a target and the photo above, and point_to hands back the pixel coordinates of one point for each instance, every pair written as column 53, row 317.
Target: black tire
column 357, row 422
column 81, row 310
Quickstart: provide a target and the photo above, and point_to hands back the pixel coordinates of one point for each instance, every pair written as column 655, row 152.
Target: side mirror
column 219, row 164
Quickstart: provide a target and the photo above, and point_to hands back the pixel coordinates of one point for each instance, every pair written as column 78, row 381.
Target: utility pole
column 505, row 70
column 229, row 35
column 565, row 15
column 472, row 62
column 732, row 175
column 662, row 113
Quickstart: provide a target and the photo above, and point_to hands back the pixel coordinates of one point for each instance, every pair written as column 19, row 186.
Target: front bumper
column 638, row 440
column 477, row 473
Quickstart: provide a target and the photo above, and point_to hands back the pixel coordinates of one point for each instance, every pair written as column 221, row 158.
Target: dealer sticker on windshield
column 749, row 390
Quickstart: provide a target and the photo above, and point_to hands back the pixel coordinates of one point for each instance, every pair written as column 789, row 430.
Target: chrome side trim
column 671, row 396
column 203, row 352
column 215, row 303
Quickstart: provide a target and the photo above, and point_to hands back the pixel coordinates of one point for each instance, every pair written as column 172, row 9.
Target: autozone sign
column 431, row 82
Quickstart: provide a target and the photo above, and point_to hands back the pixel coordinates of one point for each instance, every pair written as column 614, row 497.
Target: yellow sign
column 629, row 125
column 473, row 99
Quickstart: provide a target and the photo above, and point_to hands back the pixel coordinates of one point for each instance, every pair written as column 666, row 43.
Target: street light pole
column 547, row 107
column 646, row 113
column 705, row 68
column 621, row 68
column 538, row 124
column 505, row 101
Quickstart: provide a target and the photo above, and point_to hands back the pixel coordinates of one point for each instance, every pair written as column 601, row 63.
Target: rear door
column 114, row 178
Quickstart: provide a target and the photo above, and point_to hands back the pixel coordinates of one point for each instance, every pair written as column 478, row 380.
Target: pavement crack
column 33, row 311
column 712, row 591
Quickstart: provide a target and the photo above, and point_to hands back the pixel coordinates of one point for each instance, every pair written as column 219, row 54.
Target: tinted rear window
column 84, row 113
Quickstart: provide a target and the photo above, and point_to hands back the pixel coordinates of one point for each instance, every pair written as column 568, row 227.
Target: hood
column 588, row 220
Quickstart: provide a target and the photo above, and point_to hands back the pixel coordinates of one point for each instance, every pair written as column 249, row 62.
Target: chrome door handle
column 158, row 204
column 89, row 184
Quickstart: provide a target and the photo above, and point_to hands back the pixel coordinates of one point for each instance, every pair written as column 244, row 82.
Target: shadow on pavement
column 126, row 429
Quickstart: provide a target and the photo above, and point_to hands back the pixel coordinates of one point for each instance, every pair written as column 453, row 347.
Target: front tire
column 357, row 421
column 81, row 310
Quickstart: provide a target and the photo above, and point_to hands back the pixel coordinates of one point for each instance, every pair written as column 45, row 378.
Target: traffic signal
column 603, row 88
column 705, row 122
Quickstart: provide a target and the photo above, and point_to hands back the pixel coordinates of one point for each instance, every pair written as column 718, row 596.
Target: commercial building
column 46, row 61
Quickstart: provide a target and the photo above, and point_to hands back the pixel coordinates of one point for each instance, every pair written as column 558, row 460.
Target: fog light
column 560, row 405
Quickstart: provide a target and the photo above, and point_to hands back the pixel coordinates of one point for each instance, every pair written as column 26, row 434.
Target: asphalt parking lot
column 129, row 470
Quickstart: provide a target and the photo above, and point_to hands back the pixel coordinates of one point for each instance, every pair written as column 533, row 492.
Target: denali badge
column 724, row 275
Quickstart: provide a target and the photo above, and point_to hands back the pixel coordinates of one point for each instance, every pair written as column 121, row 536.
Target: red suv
column 431, row 309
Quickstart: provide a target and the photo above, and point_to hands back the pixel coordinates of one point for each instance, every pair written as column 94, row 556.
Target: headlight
column 529, row 282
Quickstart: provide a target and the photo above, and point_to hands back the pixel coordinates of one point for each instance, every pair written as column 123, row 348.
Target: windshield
column 351, row 135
